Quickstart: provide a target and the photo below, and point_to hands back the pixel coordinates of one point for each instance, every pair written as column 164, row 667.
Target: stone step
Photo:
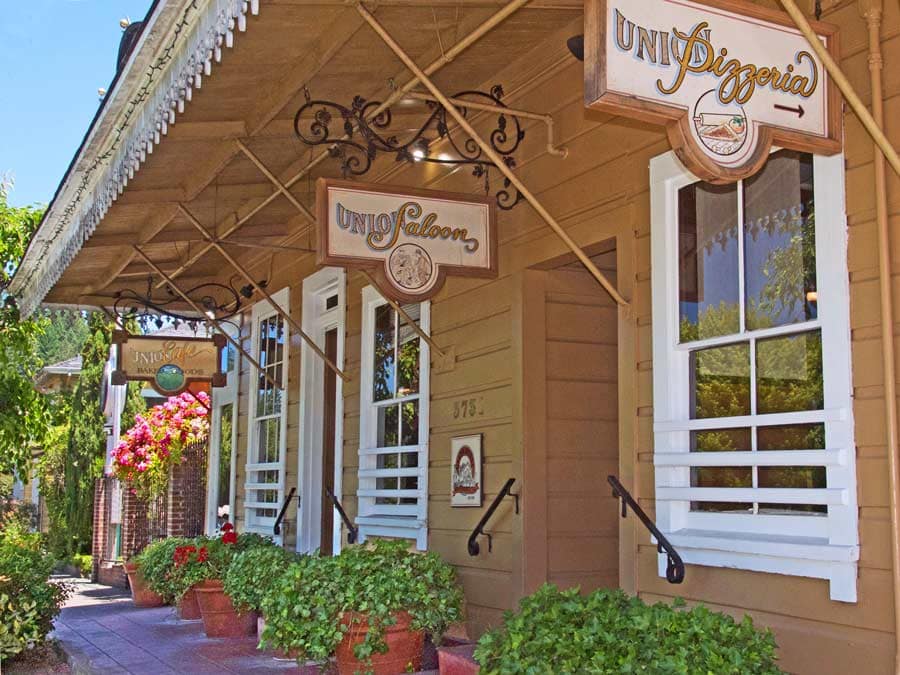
column 458, row 660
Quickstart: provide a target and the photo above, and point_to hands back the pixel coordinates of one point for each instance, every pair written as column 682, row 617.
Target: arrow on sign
column 798, row 110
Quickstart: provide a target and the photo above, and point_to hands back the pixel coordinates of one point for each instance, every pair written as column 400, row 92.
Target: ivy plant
column 156, row 562
column 253, row 573
column 305, row 607
column 562, row 632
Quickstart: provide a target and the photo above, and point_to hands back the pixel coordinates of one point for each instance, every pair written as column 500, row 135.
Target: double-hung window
column 393, row 454
column 265, row 468
column 753, row 430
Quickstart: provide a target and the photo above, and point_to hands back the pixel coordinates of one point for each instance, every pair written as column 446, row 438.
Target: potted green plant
column 155, row 564
column 609, row 632
column 141, row 593
column 202, row 565
column 252, row 575
column 369, row 607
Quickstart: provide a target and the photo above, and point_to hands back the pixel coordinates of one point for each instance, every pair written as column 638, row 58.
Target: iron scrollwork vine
column 219, row 301
column 365, row 135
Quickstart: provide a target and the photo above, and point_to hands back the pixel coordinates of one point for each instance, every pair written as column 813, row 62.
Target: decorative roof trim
column 145, row 111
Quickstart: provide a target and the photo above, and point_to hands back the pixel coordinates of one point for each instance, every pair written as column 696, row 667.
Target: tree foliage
column 23, row 411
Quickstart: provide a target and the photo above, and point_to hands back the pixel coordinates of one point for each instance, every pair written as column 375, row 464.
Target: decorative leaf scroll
column 363, row 134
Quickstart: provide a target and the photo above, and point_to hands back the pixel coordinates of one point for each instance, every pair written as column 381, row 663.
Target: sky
column 54, row 55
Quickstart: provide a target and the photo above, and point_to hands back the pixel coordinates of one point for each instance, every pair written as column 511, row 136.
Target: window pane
column 721, row 381
column 410, row 429
column 383, row 376
column 223, row 493
column 803, row 477
column 780, row 242
column 408, row 356
column 388, row 426
column 791, row 437
column 789, row 373
column 721, row 440
column 707, row 261
column 722, row 477
column 268, row 440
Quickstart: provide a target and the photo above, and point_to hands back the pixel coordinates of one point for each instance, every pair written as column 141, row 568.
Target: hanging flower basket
column 145, row 455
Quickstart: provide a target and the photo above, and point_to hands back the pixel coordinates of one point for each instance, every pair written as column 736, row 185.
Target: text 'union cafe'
column 593, row 293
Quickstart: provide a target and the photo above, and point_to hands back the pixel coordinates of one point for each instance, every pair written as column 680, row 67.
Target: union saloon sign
column 728, row 79
column 411, row 239
column 170, row 364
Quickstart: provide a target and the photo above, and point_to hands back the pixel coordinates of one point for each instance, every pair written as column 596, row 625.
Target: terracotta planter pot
column 404, row 648
column 220, row 618
column 457, row 660
column 188, row 607
column 142, row 596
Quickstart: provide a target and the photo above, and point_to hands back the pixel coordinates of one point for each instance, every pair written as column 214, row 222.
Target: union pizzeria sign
column 411, row 239
column 729, row 79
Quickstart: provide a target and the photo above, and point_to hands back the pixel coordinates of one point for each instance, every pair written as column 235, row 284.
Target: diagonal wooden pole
column 206, row 318
column 492, row 154
column 284, row 314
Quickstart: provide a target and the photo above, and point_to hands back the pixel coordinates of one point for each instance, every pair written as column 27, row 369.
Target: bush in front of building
column 156, row 562
column 253, row 573
column 609, row 632
column 29, row 601
column 320, row 600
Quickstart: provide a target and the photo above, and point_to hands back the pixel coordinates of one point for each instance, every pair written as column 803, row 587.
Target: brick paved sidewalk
column 103, row 632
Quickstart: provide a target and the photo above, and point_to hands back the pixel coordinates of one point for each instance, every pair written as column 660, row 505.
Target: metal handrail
column 674, row 563
column 472, row 545
column 276, row 528
column 352, row 532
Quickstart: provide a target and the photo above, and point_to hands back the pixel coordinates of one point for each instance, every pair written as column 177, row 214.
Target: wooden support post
column 284, row 314
column 206, row 318
column 492, row 154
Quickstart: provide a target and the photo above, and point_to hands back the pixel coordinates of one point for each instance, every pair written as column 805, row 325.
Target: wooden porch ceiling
column 253, row 96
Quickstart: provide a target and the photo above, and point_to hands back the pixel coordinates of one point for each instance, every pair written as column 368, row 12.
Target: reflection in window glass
column 721, row 381
column 722, row 477
column 707, row 261
column 388, row 426
column 384, row 377
column 791, row 437
column 804, row 477
column 789, row 373
column 780, row 243
column 223, row 492
column 721, row 440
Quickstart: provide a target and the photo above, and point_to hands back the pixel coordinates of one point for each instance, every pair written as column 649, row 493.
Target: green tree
column 23, row 411
column 65, row 332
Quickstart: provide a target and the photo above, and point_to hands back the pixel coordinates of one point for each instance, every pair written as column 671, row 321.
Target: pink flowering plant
column 149, row 449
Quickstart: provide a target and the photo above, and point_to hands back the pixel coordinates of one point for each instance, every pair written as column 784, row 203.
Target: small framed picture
column 466, row 484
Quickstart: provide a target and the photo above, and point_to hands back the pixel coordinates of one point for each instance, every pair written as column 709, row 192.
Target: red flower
column 202, row 555
column 229, row 538
column 227, row 527
column 182, row 555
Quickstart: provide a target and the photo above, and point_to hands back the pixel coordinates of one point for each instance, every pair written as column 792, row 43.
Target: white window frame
column 221, row 397
column 317, row 321
column 824, row 547
column 252, row 522
column 414, row 526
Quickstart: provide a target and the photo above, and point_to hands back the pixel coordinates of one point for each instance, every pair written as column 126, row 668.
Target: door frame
column 317, row 321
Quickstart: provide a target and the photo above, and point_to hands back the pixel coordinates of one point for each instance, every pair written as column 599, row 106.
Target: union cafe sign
column 410, row 239
column 170, row 364
column 728, row 79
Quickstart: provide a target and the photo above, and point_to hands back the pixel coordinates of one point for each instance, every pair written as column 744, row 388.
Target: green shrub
column 156, row 562
column 28, row 600
column 254, row 573
column 608, row 632
column 84, row 563
column 304, row 608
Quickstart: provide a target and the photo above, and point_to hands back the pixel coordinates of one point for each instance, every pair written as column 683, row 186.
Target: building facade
column 734, row 382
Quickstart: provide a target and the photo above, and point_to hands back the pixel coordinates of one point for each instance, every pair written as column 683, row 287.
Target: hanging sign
column 728, row 79
column 170, row 364
column 411, row 239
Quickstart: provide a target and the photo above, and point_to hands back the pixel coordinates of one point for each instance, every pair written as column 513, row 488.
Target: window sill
column 397, row 527
column 778, row 554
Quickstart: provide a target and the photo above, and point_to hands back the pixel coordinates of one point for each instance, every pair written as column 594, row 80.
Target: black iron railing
column 474, row 548
column 352, row 532
column 276, row 528
column 674, row 563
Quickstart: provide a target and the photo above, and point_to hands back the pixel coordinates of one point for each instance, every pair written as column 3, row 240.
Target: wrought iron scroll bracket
column 674, row 564
column 357, row 134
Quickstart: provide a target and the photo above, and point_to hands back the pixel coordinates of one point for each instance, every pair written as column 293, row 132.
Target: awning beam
column 492, row 154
